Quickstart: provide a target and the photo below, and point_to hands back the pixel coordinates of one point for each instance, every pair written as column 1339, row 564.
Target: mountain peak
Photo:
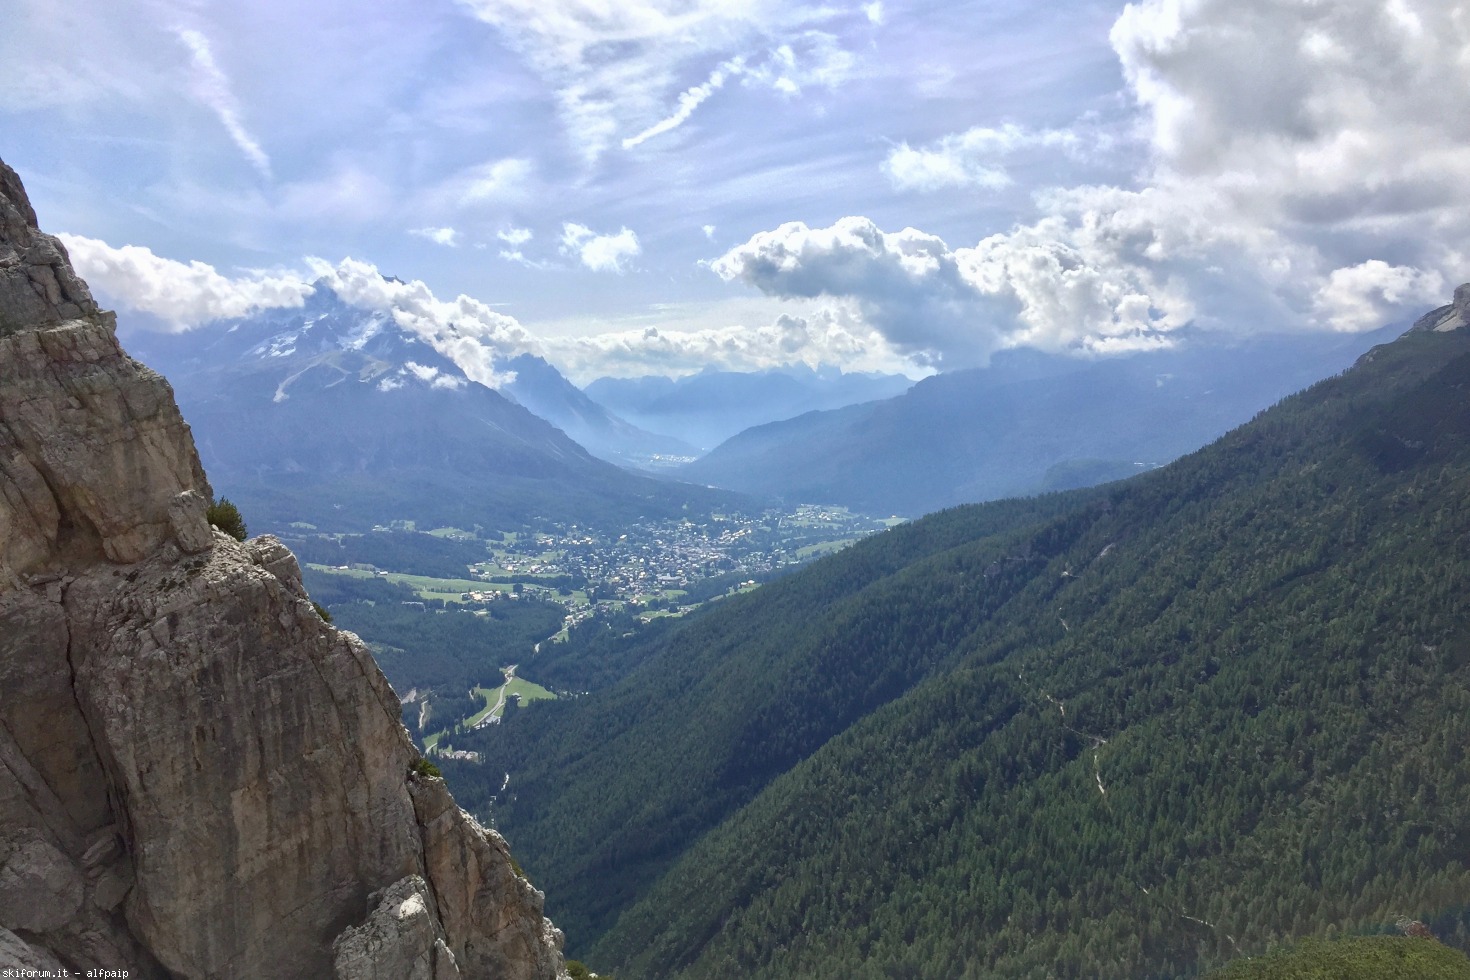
column 37, row 284
column 199, row 776
column 1446, row 318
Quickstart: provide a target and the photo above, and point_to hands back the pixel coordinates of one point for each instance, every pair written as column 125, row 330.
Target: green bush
column 226, row 516
column 321, row 611
column 423, row 767
column 1362, row 958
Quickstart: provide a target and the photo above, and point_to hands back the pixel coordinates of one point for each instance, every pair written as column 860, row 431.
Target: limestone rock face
column 400, row 941
column 37, row 285
column 1451, row 317
column 198, row 777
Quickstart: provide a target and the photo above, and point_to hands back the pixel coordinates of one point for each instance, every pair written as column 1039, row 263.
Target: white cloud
column 496, row 180
column 515, row 238
column 689, row 100
column 439, row 236
column 600, row 253
column 948, row 308
column 829, row 336
column 1306, row 166
column 973, row 158
column 188, row 294
column 465, row 330
column 1340, row 125
column 430, row 376
column 506, row 180
column 1363, row 296
column 212, row 87
column 616, row 67
column 874, row 12
column 182, row 294
column 814, row 59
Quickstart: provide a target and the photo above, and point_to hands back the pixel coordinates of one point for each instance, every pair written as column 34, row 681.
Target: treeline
column 431, row 646
column 596, row 653
column 410, row 552
column 1128, row 732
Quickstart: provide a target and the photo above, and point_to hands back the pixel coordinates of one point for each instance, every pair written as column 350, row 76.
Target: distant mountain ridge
column 1030, row 422
column 1125, row 731
column 707, row 408
column 546, row 392
column 331, row 414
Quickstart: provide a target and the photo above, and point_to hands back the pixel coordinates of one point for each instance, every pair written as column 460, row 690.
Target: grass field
column 823, row 548
column 427, row 587
column 518, row 687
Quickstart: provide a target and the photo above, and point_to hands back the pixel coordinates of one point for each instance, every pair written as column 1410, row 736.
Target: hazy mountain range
column 707, row 408
column 336, row 416
column 331, row 410
column 1028, row 423
column 1125, row 731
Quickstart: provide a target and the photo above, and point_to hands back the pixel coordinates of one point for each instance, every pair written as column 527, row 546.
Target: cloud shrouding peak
column 600, row 253
column 185, row 295
column 467, row 331
column 181, row 294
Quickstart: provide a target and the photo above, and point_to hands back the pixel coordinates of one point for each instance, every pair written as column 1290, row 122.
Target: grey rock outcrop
column 198, row 776
column 1451, row 317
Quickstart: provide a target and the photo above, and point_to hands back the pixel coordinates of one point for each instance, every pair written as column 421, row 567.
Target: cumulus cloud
column 973, row 158
column 946, row 307
column 448, row 237
column 1363, row 296
column 827, row 336
column 1305, row 168
column 600, row 253
column 1337, row 125
column 212, row 87
column 467, row 331
column 184, row 295
column 181, row 294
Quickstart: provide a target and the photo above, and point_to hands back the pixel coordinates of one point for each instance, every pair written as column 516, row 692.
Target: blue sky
column 655, row 185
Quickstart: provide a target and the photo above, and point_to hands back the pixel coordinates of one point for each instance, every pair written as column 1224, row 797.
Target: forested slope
column 1129, row 734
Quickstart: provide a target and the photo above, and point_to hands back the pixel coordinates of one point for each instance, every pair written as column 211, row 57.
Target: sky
column 658, row 186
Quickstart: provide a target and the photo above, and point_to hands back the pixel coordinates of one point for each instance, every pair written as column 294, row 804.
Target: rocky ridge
column 198, row 776
column 1446, row 318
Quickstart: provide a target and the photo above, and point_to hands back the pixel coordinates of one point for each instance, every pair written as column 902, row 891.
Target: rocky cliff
column 198, row 777
column 1446, row 318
